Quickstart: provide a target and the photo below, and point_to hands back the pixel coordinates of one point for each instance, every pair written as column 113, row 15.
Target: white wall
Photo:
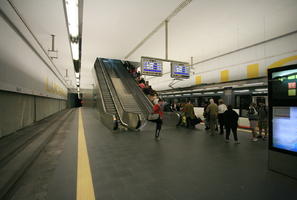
column 21, row 70
column 236, row 63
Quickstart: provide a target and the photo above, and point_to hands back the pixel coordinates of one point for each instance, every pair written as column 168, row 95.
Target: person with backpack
column 253, row 118
column 263, row 120
column 188, row 111
column 231, row 122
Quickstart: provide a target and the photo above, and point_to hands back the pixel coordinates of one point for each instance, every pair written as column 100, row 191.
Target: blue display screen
column 151, row 67
column 285, row 128
column 180, row 70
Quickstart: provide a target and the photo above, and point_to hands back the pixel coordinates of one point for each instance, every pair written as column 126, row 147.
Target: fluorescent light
column 197, row 90
column 240, row 91
column 253, row 84
column 261, row 89
column 78, row 89
column 213, row 88
column 75, row 50
column 72, row 16
column 76, row 75
column 258, row 92
column 208, row 93
column 77, row 80
column 220, row 92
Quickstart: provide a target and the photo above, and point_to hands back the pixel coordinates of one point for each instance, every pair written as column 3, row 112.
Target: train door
column 242, row 102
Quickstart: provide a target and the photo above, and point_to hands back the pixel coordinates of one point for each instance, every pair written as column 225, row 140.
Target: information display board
column 151, row 67
column 283, row 109
column 180, row 70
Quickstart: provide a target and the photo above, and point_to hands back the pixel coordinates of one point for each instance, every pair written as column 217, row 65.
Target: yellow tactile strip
column 84, row 187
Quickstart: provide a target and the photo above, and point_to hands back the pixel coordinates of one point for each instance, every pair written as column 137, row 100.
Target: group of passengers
column 144, row 85
column 258, row 115
column 227, row 118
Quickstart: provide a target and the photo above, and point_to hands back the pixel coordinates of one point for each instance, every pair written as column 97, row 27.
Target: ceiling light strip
column 174, row 13
column 72, row 16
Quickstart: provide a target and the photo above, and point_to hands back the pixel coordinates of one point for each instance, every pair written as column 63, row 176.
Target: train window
column 244, row 103
column 260, row 99
column 194, row 101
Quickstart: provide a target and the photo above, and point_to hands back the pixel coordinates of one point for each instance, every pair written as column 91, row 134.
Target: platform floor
column 184, row 165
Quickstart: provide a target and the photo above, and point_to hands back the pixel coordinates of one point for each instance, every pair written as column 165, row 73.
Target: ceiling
column 203, row 29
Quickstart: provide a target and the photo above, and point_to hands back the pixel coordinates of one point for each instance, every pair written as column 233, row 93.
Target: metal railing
column 108, row 119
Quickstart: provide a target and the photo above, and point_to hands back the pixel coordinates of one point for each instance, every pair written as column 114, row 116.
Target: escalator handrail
column 102, row 101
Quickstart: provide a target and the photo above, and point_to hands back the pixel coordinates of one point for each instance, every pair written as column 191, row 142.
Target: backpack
column 252, row 111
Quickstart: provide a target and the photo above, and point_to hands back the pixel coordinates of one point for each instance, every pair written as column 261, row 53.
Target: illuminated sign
column 180, row 70
column 284, row 84
column 151, row 67
column 292, row 85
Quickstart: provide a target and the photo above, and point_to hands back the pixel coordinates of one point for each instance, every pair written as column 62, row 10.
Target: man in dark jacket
column 231, row 122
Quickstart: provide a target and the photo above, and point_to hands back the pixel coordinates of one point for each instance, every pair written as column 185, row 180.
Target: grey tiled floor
column 184, row 164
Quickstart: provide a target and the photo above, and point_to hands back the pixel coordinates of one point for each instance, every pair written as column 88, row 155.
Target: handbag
column 153, row 116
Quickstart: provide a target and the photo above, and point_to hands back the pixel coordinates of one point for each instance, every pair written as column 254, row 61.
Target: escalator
column 112, row 112
column 125, row 93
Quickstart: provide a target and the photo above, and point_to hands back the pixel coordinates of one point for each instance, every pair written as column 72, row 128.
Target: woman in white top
column 221, row 109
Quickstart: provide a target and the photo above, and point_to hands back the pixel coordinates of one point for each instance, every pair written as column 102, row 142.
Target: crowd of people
column 217, row 118
column 223, row 119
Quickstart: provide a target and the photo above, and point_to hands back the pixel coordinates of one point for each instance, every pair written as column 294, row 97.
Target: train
column 239, row 94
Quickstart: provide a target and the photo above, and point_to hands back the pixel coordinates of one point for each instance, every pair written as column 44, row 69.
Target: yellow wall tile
column 282, row 62
column 224, row 75
column 198, row 80
column 252, row 71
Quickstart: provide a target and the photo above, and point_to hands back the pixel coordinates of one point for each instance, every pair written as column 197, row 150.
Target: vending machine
column 282, row 102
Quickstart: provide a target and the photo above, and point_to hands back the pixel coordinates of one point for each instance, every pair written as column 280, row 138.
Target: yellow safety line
column 84, row 186
column 244, row 130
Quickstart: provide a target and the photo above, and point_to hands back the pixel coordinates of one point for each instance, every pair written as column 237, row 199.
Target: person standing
column 231, row 122
column 221, row 109
column 189, row 113
column 253, row 118
column 263, row 119
column 157, row 110
column 212, row 110
column 206, row 116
